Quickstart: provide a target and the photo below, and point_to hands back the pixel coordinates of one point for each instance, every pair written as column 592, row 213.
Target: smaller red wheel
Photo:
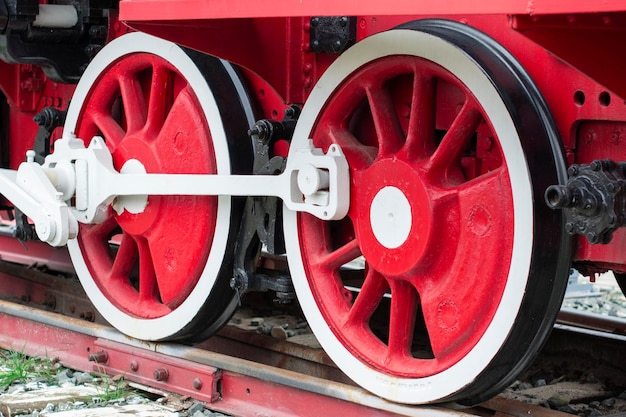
column 422, row 292
column 156, row 268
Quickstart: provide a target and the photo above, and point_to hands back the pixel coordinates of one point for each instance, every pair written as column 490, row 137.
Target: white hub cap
column 390, row 216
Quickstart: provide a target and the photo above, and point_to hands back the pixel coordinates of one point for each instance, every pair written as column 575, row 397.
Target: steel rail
column 592, row 321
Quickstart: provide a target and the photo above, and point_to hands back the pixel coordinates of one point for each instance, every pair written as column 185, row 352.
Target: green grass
column 17, row 366
column 112, row 388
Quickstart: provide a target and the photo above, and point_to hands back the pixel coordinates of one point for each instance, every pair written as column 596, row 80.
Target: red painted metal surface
column 159, row 371
column 587, row 42
column 274, row 49
column 202, row 9
column 26, row 91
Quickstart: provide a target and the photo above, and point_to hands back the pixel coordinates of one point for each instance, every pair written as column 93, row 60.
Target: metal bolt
column 235, row 282
column 134, row 365
column 611, row 187
column 87, row 315
column 570, row 227
column 573, row 170
column 596, row 165
column 98, row 32
column 343, row 22
column 91, row 50
column 315, row 21
column 99, row 357
column 50, row 301
column 197, row 383
column 161, row 374
column 593, row 237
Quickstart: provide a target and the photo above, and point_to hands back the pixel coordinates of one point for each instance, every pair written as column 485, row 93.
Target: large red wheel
column 159, row 267
column 447, row 273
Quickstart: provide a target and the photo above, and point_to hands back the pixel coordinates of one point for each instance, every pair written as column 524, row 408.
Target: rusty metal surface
column 591, row 321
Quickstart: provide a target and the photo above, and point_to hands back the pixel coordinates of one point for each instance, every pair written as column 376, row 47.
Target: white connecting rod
column 312, row 182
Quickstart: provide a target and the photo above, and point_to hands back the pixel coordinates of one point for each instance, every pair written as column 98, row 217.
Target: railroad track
column 227, row 384
column 236, row 372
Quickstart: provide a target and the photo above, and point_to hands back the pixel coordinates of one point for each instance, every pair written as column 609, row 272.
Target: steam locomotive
column 431, row 170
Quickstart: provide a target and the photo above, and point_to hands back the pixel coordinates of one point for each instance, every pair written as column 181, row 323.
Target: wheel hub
column 128, row 211
column 133, row 204
column 394, row 215
column 390, row 217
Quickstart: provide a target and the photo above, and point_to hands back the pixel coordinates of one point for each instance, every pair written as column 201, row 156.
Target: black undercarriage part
column 48, row 119
column 594, row 199
column 61, row 36
column 261, row 225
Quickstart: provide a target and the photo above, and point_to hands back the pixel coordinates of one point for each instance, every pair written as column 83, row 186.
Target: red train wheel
column 157, row 268
column 440, row 283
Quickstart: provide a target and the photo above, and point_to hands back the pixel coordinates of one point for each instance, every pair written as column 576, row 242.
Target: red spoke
column 386, row 122
column 99, row 231
column 372, row 292
column 176, row 277
column 125, row 258
column 135, row 108
column 184, row 107
column 148, row 289
column 358, row 155
column 160, row 95
column 404, row 303
column 456, row 138
column 341, row 256
column 111, row 130
column 420, row 140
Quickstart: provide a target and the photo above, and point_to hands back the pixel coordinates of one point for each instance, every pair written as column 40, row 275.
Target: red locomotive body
column 441, row 165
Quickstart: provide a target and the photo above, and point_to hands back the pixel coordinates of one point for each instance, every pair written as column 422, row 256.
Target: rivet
column 161, row 374
column 134, row 365
column 197, row 383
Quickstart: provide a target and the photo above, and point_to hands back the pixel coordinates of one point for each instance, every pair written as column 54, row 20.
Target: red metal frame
column 215, row 9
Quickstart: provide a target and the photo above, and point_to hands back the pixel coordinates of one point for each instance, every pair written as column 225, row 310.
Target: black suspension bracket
column 261, row 224
column 594, row 199
column 267, row 132
column 48, row 119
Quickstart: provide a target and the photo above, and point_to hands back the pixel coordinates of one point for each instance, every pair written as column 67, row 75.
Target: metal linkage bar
column 312, row 182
